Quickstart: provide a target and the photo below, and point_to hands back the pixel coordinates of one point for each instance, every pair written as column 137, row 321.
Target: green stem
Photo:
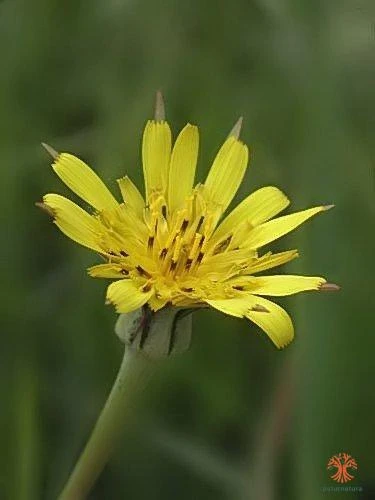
column 134, row 372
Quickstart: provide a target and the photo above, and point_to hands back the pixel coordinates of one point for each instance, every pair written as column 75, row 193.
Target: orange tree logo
column 342, row 463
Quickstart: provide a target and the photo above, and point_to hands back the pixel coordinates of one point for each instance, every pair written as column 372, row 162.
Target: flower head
column 176, row 246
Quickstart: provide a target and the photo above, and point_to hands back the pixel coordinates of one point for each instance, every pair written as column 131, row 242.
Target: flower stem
column 134, row 372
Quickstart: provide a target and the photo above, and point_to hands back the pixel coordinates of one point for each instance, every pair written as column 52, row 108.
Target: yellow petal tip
column 328, row 207
column 50, row 150
column 283, row 346
column 159, row 113
column 43, row 206
column 329, row 287
column 236, row 130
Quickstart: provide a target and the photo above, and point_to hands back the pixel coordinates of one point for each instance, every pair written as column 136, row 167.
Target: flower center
column 175, row 253
column 177, row 242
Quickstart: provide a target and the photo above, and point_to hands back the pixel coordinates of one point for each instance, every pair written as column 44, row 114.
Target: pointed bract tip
column 52, row 152
column 328, row 207
column 236, row 130
column 159, row 114
column 259, row 308
column 329, row 287
column 43, row 206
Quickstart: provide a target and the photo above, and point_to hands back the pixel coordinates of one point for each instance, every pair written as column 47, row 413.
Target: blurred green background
column 233, row 418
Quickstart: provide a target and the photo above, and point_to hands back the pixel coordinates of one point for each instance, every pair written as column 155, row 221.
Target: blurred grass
column 82, row 76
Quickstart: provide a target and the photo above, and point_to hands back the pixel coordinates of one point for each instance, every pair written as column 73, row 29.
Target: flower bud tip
column 159, row 114
column 329, row 287
column 45, row 208
column 236, row 130
column 50, row 150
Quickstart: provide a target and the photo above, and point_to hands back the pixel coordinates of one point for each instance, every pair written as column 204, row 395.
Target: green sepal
column 157, row 334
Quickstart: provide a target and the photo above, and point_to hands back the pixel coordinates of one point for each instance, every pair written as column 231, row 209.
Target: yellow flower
column 175, row 246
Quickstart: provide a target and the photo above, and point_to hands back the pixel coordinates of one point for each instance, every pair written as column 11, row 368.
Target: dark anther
column 200, row 257
column 163, row 253
column 200, row 222
column 111, row 252
column 223, row 245
column 188, row 290
column 173, row 265
column 150, row 242
column 143, row 272
column 146, row 287
column 238, row 287
column 124, row 272
column 164, row 211
column 201, row 242
column 188, row 263
column 123, row 253
column 184, row 225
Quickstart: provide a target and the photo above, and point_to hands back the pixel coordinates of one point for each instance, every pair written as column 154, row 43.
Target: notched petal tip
column 50, row 150
column 283, row 346
column 329, row 287
column 236, row 130
column 47, row 209
column 159, row 114
column 108, row 301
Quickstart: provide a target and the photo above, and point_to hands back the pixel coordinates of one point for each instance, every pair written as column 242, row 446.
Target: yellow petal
column 182, row 169
column 224, row 264
column 156, row 153
column 280, row 285
column 274, row 229
column 127, row 296
column 257, row 208
column 157, row 303
column 83, row 181
column 276, row 323
column 131, row 195
column 227, row 172
column 270, row 260
column 238, row 306
column 106, row 271
column 74, row 222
